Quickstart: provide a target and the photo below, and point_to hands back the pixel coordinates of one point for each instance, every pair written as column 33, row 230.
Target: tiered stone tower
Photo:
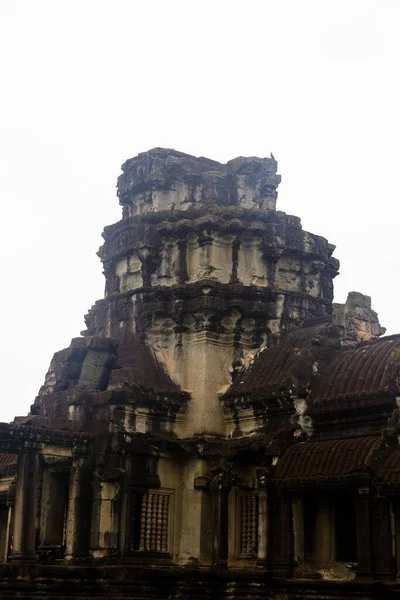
column 206, row 271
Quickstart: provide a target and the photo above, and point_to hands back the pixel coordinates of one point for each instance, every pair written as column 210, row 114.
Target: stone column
column 220, row 488
column 24, row 530
column 125, row 517
column 197, row 512
column 396, row 510
column 94, row 544
column 10, row 507
column 325, row 532
column 381, row 538
column 281, row 533
column 362, row 506
column 78, row 511
column 298, row 530
column 262, row 520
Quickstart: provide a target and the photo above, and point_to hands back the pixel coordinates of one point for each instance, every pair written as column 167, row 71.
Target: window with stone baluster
column 150, row 526
column 247, row 525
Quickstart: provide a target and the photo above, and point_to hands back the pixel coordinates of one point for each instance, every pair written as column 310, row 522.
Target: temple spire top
column 162, row 179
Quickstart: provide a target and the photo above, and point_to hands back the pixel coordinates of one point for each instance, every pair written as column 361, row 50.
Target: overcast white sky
column 86, row 84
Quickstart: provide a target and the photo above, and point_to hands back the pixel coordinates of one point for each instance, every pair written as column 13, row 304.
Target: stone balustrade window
column 149, row 522
column 248, row 525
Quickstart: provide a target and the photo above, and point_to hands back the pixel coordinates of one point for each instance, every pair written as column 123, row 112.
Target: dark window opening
column 54, row 509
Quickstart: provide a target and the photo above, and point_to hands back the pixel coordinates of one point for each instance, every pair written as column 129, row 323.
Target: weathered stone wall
column 358, row 321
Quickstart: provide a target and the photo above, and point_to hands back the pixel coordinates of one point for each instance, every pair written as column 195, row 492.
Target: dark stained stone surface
column 137, row 367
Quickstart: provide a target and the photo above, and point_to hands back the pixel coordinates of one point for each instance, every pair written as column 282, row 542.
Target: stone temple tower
column 205, row 270
column 221, row 429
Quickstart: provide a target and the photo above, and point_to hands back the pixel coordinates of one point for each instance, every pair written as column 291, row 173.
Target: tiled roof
column 8, row 464
column 331, row 458
column 369, row 368
column 280, row 368
column 390, row 470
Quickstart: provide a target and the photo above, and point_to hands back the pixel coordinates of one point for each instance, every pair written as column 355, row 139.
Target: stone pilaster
column 78, row 512
column 10, row 503
column 281, row 533
column 362, row 505
column 382, row 562
column 325, row 531
column 298, row 530
column 24, row 529
column 220, row 487
column 396, row 511
column 262, row 551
